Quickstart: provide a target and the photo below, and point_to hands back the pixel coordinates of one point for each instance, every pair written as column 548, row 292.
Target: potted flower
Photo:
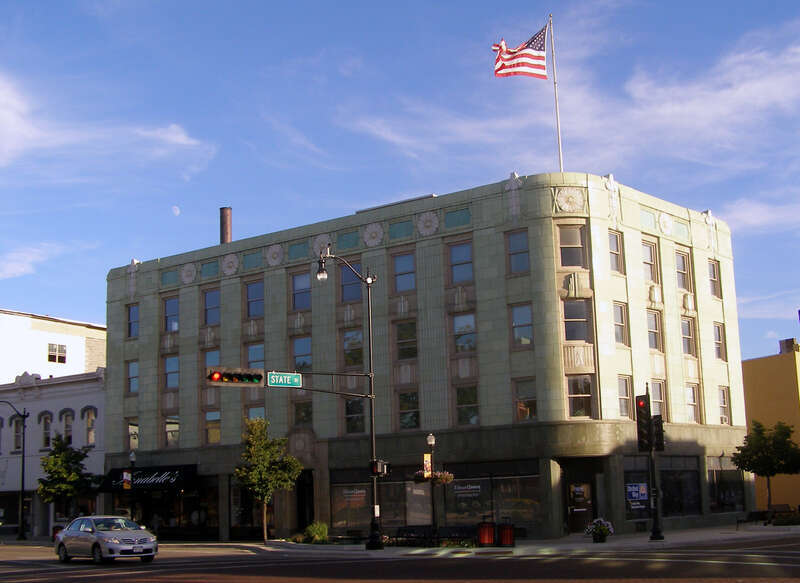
column 441, row 478
column 599, row 528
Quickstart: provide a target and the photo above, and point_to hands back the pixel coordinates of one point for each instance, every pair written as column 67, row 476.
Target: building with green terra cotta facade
column 515, row 321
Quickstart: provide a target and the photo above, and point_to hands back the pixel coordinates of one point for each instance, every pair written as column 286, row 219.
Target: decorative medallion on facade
column 188, row 273
column 665, row 223
column 230, row 263
column 321, row 242
column 614, row 203
column 569, row 199
column 274, row 255
column 373, row 234
column 427, row 223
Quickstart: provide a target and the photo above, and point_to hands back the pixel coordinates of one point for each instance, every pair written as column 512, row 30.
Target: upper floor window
column 467, row 410
column 213, row 427
column 571, row 243
column 47, row 422
column 211, row 312
column 133, row 376
column 693, row 403
column 353, row 347
column 461, row 262
column 255, row 299
column 621, row 335
column 171, row 314
column 257, row 412
column 18, row 427
column 406, row 340
column 354, row 415
column 405, row 277
column 658, row 398
column 464, row 334
column 133, row 320
column 720, row 345
column 304, row 413
column 301, row 291
column 615, row 252
column 172, row 430
column 683, row 270
column 714, row 279
column 69, row 419
column 211, row 358
column 526, row 399
column 171, row 372
column 91, row 422
column 654, row 334
column 725, row 406
column 624, row 395
column 518, row 259
column 301, row 352
column 579, row 391
column 408, row 409
column 255, row 355
column 133, row 433
column 57, row 353
column 351, row 285
column 522, row 326
column 577, row 322
column 650, row 261
column 688, row 336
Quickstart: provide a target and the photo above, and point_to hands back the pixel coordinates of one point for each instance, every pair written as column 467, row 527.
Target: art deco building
column 515, row 321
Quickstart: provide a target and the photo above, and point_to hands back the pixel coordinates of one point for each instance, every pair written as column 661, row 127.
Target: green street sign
column 286, row 380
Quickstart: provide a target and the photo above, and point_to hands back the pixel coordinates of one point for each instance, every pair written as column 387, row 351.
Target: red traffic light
column 640, row 402
column 215, row 376
column 235, row 376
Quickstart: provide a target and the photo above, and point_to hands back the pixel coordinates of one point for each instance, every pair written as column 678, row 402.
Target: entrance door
column 579, row 506
column 304, row 489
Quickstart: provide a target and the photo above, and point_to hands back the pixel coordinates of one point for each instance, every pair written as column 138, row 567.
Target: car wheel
column 148, row 559
column 97, row 555
column 63, row 556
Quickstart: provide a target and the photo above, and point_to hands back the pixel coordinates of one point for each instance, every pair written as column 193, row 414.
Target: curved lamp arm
column 322, row 273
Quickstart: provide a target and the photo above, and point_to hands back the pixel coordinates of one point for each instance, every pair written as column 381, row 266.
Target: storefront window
column 725, row 486
column 517, row 499
column 680, row 485
column 467, row 501
column 350, row 506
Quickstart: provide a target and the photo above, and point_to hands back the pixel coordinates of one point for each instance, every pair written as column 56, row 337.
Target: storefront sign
column 152, row 478
column 636, row 495
column 354, row 493
column 467, row 490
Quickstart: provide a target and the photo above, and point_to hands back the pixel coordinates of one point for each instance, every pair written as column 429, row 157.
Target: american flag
column 527, row 59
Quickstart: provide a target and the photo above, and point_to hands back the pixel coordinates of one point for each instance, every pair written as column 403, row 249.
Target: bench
column 418, row 535
column 781, row 510
column 764, row 516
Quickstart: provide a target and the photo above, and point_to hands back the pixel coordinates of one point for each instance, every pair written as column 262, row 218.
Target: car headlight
column 153, row 539
column 112, row 539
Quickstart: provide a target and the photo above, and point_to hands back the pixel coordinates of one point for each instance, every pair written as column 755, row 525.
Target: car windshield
column 105, row 524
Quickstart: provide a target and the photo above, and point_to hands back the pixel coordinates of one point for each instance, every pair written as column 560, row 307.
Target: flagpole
column 555, row 89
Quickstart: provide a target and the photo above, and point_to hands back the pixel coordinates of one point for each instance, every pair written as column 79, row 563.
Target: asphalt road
column 774, row 560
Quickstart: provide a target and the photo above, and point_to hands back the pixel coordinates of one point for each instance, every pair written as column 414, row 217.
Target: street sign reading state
column 289, row 380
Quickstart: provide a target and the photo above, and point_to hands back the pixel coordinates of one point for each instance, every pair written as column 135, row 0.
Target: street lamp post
column 431, row 439
column 24, row 416
column 132, row 460
column 375, row 541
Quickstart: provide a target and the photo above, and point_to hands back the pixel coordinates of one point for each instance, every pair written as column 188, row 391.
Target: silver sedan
column 105, row 538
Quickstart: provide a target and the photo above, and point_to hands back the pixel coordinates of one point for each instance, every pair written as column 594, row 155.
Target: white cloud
column 760, row 215
column 173, row 135
column 23, row 260
column 782, row 305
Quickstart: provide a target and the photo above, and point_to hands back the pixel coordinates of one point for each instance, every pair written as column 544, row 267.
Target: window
column 720, row 345
column 172, row 429
column 47, row 422
column 693, row 403
column 91, row 421
column 680, row 485
column 461, row 262
column 688, row 336
column 354, row 415
column 654, row 335
column 171, row 372
column 255, row 299
column 658, row 398
column 405, row 278
column 57, row 353
column 133, row 321
column 714, row 279
column 133, row 434
column 725, row 485
column 18, row 433
column 258, row 412
column 406, row 340
column 133, row 376
column 725, row 406
column 212, row 427
column 301, row 291
column 650, row 261
column 408, row 409
column 683, row 271
column 576, row 320
column 579, row 391
column 353, row 347
column 464, row 333
column 211, row 358
column 522, row 326
column 621, row 324
column 171, row 314
column 303, row 413
column 615, row 252
column 517, row 244
column 301, row 353
column 526, row 399
column 571, row 244
column 625, row 400
column 69, row 419
column 467, row 412
column 211, row 302
column 255, row 356
column 351, row 285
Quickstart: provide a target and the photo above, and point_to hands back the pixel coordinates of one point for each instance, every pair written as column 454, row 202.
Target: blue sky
column 125, row 125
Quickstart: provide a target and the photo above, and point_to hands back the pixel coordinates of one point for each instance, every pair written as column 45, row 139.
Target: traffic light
column 658, row 432
column 643, row 426
column 379, row 468
column 219, row 376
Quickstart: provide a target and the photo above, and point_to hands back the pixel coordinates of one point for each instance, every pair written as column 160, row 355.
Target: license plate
column 138, row 549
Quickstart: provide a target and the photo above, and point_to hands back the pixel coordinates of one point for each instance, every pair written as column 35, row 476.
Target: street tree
column 265, row 466
column 65, row 476
column 768, row 452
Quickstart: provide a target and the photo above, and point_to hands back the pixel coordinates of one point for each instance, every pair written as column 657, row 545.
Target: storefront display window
column 725, row 486
column 680, row 485
column 350, row 506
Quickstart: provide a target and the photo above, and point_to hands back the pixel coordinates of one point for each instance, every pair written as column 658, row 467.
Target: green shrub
column 316, row 533
column 298, row 537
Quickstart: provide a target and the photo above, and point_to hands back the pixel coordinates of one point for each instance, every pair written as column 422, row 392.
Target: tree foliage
column 65, row 476
column 768, row 452
column 265, row 466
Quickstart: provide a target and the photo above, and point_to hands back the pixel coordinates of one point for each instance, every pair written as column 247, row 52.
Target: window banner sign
column 126, row 480
column 149, row 478
column 426, row 465
column 636, row 495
